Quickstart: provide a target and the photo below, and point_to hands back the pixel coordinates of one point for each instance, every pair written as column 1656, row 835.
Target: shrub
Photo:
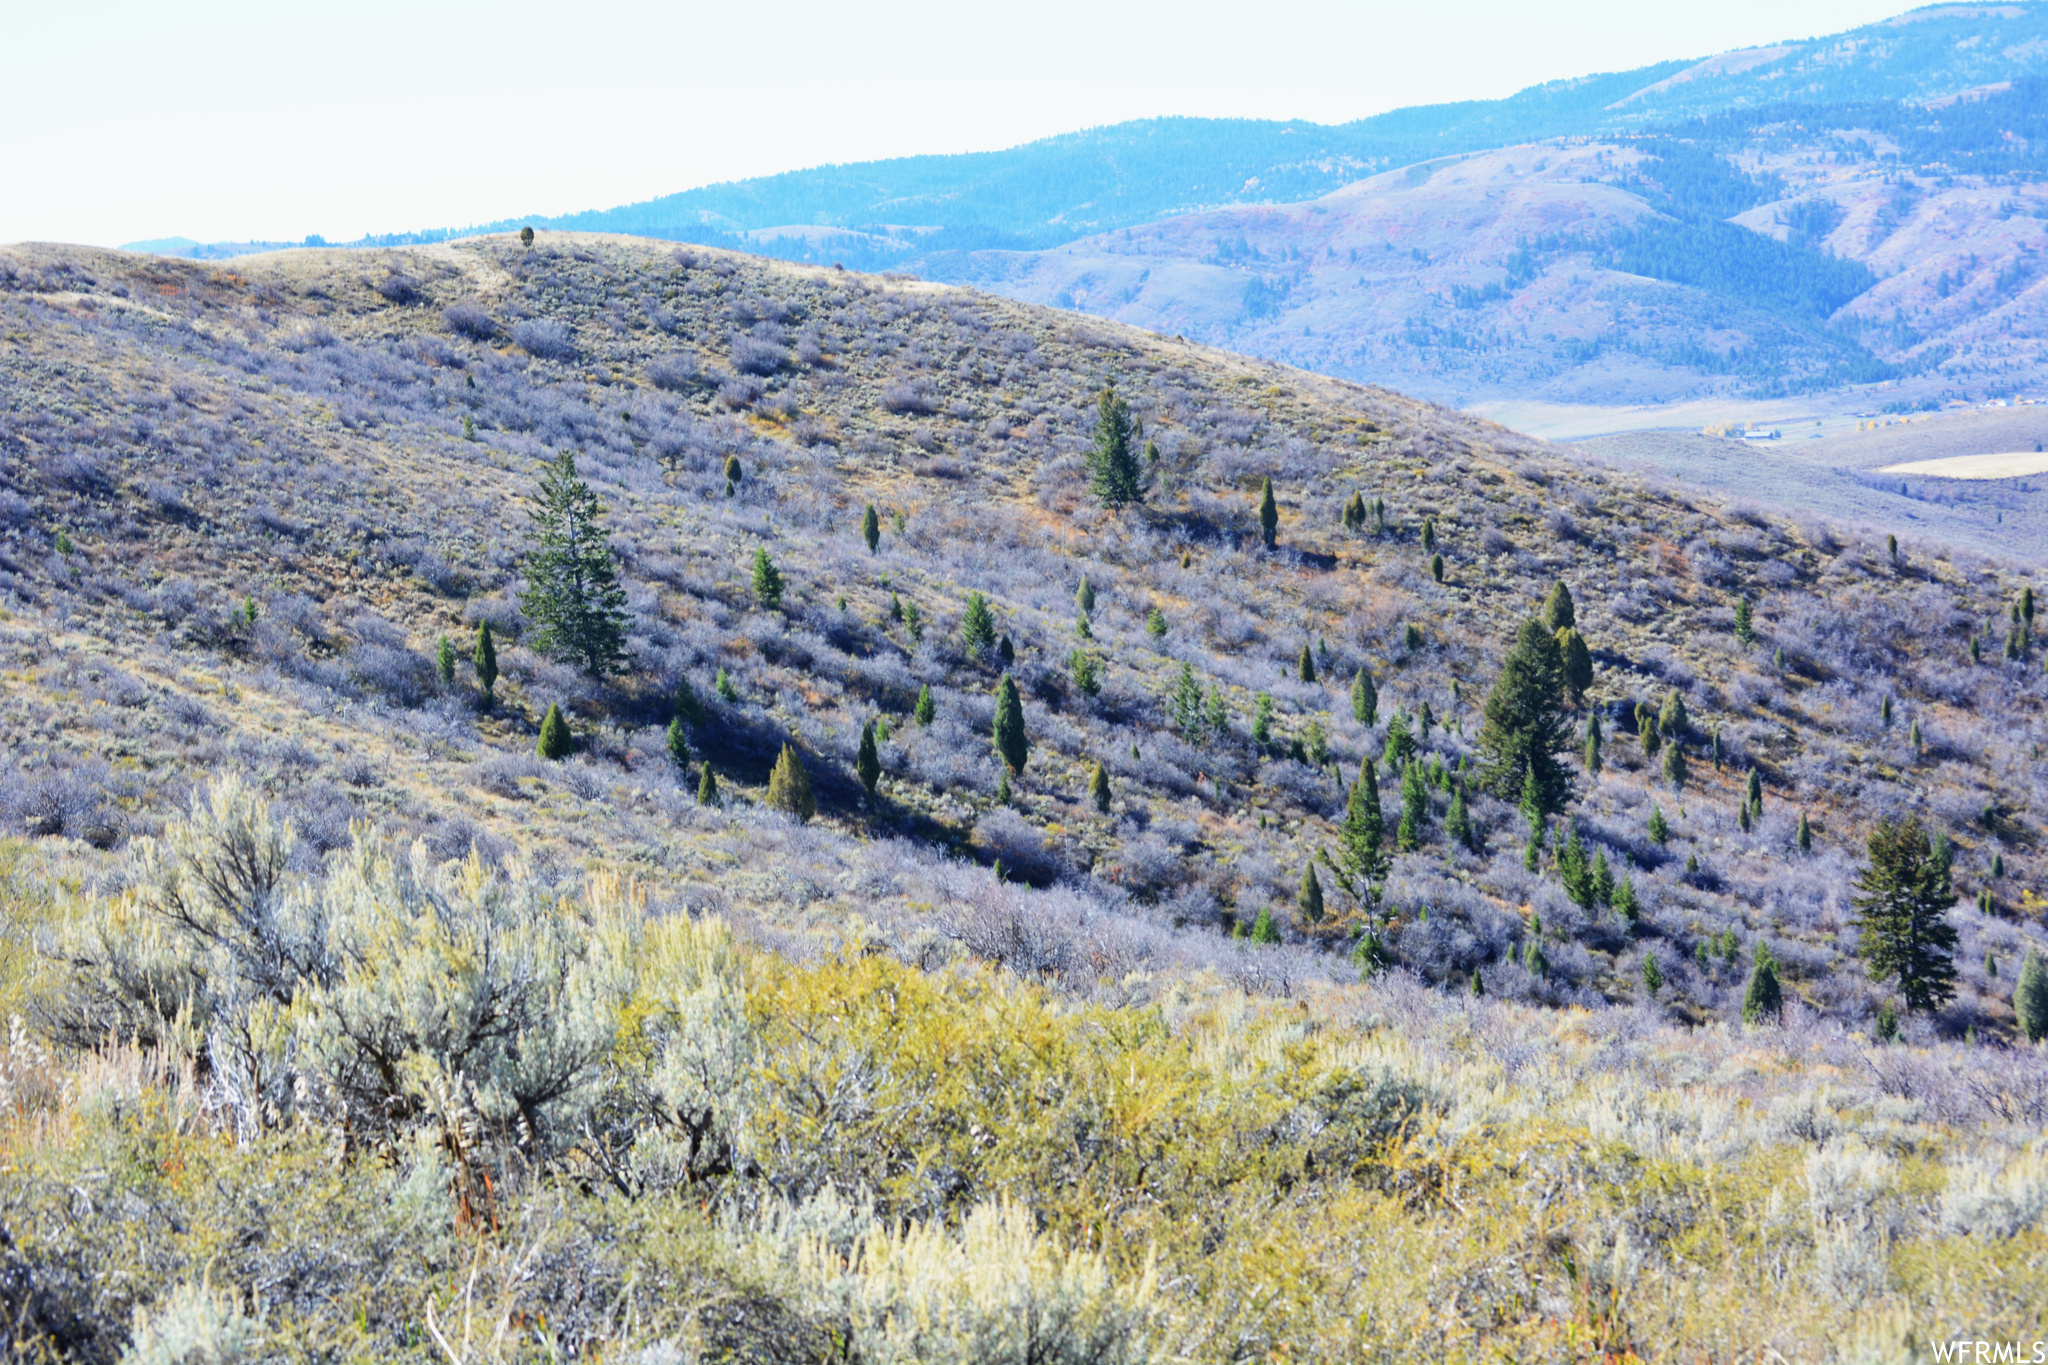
column 543, row 339
column 466, row 319
column 678, row 372
column 753, row 355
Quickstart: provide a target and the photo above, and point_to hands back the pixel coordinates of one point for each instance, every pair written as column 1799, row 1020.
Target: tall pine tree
column 1115, row 475
column 572, row 593
column 1525, row 731
column 1902, row 913
column 1011, row 742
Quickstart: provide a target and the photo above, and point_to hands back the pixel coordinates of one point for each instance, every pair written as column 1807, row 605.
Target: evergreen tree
column 1310, row 899
column 1891, row 544
column 734, row 474
column 923, row 711
column 1360, row 836
column 1458, row 820
column 1414, row 808
column 1187, row 703
column 977, row 625
column 1436, row 568
column 1083, row 627
column 1114, row 475
column 1429, row 535
column 1756, row 791
column 1660, row 829
column 1913, row 737
column 1262, row 928
column 1671, row 719
column 573, row 595
column 707, row 789
column 487, row 663
column 768, row 583
column 722, row 684
column 1219, row 713
column 1006, row 652
column 1315, row 743
column 1400, row 746
column 1717, row 748
column 1354, row 513
column 1087, row 677
column 1011, row 742
column 1574, row 871
column 1593, row 761
column 1805, row 835
column 1269, row 514
column 1305, row 666
column 2027, row 605
column 1626, row 903
column 1578, row 664
column 1652, row 738
column 1084, row 596
column 1653, row 975
column 871, row 528
column 913, row 623
column 2030, row 998
column 868, row 763
column 1531, row 807
column 555, row 741
column 1478, row 984
column 789, row 786
column 1602, row 880
column 1902, row 918
column 1762, row 998
column 1365, row 698
column 1424, row 718
column 444, row 661
column 678, row 743
column 1558, row 611
column 689, row 709
column 1525, row 731
column 1675, row 770
column 1003, row 797
column 1262, row 718
column 1533, row 959
column 1745, row 624
column 1098, row 788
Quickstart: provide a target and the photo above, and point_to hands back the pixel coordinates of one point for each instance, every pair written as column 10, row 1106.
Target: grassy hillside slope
column 242, row 504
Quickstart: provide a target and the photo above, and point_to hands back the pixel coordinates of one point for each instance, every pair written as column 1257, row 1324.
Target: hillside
column 244, row 503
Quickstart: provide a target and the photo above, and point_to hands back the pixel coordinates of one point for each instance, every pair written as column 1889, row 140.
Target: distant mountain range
column 1808, row 216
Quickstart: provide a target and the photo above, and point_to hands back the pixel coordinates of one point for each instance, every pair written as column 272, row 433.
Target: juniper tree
column 1006, row 652
column 768, row 582
column 486, row 662
column 1262, row 718
column 1114, row 475
column 1315, row 742
column 1305, row 666
column 735, row 474
column 1717, row 748
column 1414, row 808
column 573, row 595
column 1558, row 611
column 1756, row 791
column 444, row 661
column 868, row 762
column 1524, row 731
column 1675, row 770
column 1762, row 998
column 1087, row 677
column 1578, row 664
column 977, row 625
column 1365, row 698
column 689, row 709
column 677, row 741
column 707, row 788
column 1084, row 596
column 913, row 622
column 1098, row 788
column 2030, row 997
column 1626, row 903
column 1361, row 836
column 1660, row 828
column 1269, row 514
column 923, row 710
column 871, row 528
column 1187, row 703
column 1671, row 718
column 1458, row 820
column 1429, row 535
column 1354, row 513
column 1262, row 927
column 1902, row 920
column 1745, row 626
column 1593, row 760
column 555, row 743
column 1647, row 731
column 1478, row 983
column 1436, row 568
column 1310, row 897
column 789, row 786
column 1891, row 545
column 1653, row 975
column 1805, row 836
column 1010, row 740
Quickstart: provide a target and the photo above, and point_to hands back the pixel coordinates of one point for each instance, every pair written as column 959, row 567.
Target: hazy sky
column 223, row 120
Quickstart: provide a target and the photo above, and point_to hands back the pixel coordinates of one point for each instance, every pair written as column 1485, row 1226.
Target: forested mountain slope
column 242, row 506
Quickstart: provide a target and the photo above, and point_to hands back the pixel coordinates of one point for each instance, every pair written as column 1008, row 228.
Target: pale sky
column 221, row 120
